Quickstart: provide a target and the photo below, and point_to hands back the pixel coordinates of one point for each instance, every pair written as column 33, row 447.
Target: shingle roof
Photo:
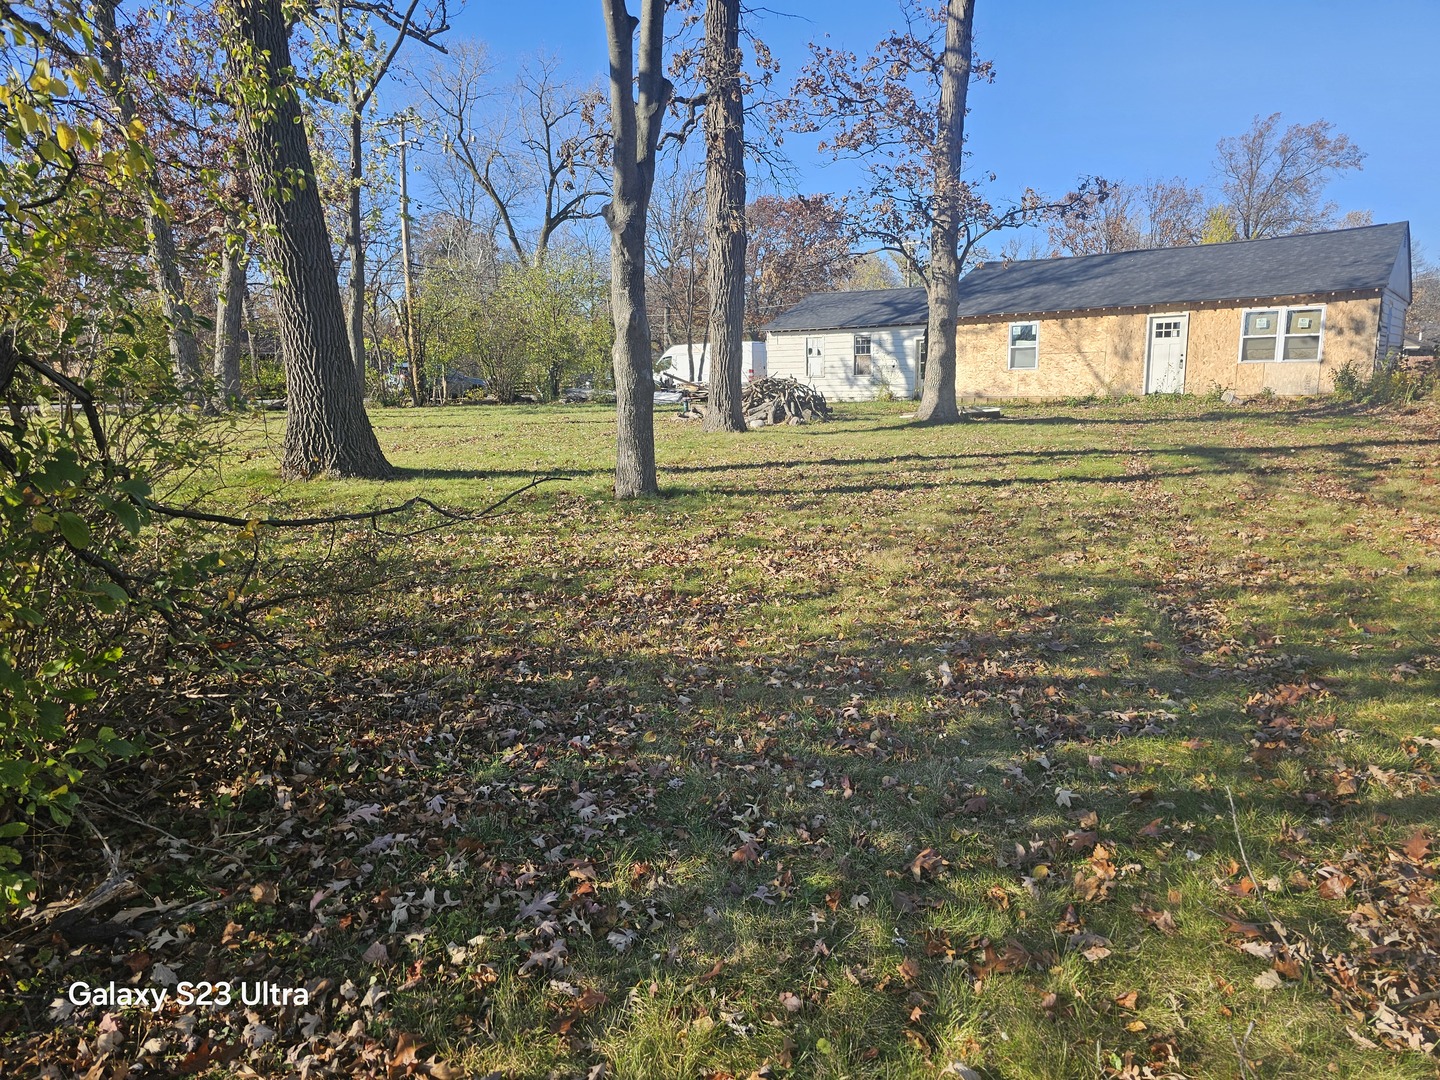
column 1347, row 260
column 855, row 310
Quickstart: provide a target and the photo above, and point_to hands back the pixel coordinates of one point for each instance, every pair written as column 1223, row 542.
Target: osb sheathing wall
column 1105, row 354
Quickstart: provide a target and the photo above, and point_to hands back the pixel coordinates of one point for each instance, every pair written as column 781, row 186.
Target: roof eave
column 1138, row 309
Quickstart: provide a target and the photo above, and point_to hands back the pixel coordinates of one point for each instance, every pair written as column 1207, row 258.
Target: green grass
column 612, row 697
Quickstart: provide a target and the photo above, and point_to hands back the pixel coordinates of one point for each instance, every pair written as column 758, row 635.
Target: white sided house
column 852, row 346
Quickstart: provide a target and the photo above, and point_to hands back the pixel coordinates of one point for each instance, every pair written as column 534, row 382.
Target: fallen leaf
column 264, row 893
column 1418, row 846
column 928, row 861
column 591, row 999
column 1128, row 1000
column 376, row 954
column 1336, row 885
column 1268, row 980
column 792, row 1002
column 747, row 852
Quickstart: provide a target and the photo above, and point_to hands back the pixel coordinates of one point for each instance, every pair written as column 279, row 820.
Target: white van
column 676, row 363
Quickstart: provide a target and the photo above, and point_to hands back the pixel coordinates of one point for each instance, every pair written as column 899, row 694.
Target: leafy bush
column 88, row 424
column 1385, row 383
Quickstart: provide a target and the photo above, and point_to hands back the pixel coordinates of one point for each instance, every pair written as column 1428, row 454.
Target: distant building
column 852, row 346
column 1281, row 314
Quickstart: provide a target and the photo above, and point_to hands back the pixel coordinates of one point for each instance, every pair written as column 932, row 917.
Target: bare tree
column 359, row 62
column 1174, row 213
column 1156, row 214
column 1422, row 317
column 900, row 113
column 1115, row 226
column 724, row 210
column 538, row 160
column 937, row 396
column 676, row 252
column 639, row 94
column 1274, row 181
column 327, row 430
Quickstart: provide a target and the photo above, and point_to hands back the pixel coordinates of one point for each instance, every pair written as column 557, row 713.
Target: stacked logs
column 770, row 401
column 782, row 401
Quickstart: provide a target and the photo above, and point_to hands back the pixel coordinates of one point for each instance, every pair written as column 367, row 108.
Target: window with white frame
column 862, row 354
column 814, row 357
column 1281, row 333
column 1024, row 346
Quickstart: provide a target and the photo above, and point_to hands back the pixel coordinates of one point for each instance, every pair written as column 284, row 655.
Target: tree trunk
column 636, row 124
column 247, row 311
column 356, row 243
column 937, row 402
column 165, row 263
column 725, row 211
column 327, row 430
column 229, row 309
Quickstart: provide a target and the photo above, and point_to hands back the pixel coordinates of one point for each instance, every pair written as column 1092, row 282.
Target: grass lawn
column 1095, row 741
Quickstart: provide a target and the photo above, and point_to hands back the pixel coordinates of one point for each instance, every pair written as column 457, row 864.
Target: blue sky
column 1127, row 89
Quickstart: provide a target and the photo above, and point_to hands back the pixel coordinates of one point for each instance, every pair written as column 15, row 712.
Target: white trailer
column 690, row 363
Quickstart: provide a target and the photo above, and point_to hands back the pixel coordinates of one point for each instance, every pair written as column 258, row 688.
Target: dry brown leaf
column 264, row 892
column 591, row 999
column 747, row 852
column 1418, row 846
column 1336, row 885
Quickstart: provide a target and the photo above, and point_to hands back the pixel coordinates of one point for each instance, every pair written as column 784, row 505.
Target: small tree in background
column 1274, row 181
column 799, row 244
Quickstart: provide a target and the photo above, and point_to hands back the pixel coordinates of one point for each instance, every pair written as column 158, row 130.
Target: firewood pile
column 768, row 401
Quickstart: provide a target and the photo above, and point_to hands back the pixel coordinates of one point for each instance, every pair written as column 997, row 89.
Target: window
column 1024, row 346
column 862, row 354
column 1281, row 334
column 814, row 357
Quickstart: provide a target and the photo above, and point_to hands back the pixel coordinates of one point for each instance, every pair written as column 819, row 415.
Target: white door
column 814, row 357
column 1165, row 360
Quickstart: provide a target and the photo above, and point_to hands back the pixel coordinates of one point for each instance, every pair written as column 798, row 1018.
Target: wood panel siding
column 1103, row 353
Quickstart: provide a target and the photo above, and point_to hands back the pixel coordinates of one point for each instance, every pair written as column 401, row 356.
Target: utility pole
column 412, row 350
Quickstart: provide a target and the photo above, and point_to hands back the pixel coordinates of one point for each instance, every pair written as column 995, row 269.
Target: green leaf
column 127, row 515
column 74, row 529
column 14, row 773
column 13, row 828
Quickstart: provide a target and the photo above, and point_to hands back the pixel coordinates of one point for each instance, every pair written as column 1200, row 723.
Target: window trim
column 869, row 354
column 1282, row 319
column 1010, row 344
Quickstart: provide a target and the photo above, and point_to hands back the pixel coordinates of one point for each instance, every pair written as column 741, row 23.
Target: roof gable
column 1346, row 260
column 855, row 310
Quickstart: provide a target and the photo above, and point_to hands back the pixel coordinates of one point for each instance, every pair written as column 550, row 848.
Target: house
column 851, row 346
column 1280, row 314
